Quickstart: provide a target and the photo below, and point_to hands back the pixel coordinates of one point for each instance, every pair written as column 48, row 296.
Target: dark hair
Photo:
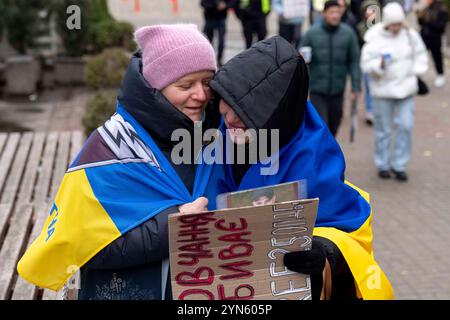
column 329, row 4
column 265, row 192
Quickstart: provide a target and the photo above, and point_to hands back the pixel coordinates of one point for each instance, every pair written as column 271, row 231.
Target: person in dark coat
column 215, row 13
column 253, row 15
column 347, row 16
column 335, row 54
column 135, row 266
column 433, row 20
column 355, row 8
column 266, row 87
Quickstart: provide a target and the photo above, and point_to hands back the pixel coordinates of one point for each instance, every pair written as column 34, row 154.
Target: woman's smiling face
column 236, row 128
column 190, row 94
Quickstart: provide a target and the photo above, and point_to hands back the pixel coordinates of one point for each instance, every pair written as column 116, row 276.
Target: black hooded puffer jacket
column 267, row 87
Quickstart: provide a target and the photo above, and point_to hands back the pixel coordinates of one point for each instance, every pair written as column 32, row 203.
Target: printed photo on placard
column 262, row 196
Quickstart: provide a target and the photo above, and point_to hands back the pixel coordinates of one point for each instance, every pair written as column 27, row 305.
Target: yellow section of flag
column 77, row 228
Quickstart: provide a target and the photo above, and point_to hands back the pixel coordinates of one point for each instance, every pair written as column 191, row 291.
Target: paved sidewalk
column 60, row 109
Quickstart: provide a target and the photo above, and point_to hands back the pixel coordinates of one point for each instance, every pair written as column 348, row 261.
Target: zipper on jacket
column 330, row 78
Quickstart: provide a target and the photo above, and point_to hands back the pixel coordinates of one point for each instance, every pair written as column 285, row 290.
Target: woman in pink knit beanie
column 166, row 88
column 179, row 61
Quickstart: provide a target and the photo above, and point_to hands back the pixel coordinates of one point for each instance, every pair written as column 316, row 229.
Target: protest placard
column 237, row 253
column 295, row 8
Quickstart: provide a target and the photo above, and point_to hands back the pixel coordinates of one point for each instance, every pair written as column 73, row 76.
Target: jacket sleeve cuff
column 373, row 67
column 377, row 68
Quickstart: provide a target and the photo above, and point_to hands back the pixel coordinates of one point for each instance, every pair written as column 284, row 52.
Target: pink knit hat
column 170, row 52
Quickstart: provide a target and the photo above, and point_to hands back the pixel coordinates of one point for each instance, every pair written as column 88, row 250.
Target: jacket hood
column 153, row 111
column 379, row 31
column 267, row 87
column 374, row 32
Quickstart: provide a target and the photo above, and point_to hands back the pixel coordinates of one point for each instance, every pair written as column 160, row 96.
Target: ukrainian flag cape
column 344, row 214
column 119, row 180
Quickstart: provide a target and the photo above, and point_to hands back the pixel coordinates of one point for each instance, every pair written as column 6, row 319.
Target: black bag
column 423, row 87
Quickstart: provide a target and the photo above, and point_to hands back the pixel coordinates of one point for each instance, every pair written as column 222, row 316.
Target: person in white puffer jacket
column 394, row 56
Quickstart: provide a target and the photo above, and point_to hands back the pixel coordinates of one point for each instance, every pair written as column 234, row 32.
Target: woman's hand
column 199, row 205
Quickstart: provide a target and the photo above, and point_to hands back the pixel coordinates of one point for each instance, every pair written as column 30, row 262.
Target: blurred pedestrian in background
column 347, row 16
column 369, row 15
column 355, row 8
column 335, row 53
column 215, row 12
column 433, row 20
column 394, row 55
column 253, row 14
column 291, row 15
column 316, row 11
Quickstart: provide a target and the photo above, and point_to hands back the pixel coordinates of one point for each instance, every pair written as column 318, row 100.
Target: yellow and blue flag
column 119, row 180
column 344, row 214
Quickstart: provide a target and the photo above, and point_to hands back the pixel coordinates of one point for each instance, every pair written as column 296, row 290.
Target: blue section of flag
column 137, row 193
column 313, row 154
column 132, row 193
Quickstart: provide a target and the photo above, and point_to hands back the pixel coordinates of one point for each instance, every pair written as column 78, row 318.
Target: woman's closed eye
column 189, row 85
column 185, row 86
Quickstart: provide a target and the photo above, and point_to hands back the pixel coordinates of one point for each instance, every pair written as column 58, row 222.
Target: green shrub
column 98, row 30
column 98, row 11
column 98, row 109
column 127, row 36
column 74, row 41
column 110, row 33
column 106, row 70
column 22, row 21
column 104, row 74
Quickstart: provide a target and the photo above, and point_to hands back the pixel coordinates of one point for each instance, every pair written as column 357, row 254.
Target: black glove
column 312, row 262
